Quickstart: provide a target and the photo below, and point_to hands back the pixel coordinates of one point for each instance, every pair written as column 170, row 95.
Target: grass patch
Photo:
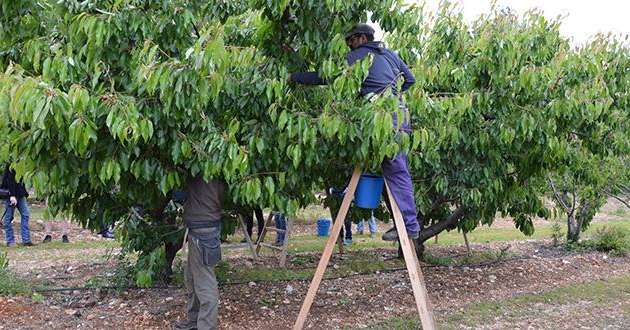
column 437, row 260
column 396, row 323
column 304, row 268
column 10, row 283
column 58, row 245
column 489, row 234
column 312, row 243
column 476, row 257
column 620, row 211
column 519, row 308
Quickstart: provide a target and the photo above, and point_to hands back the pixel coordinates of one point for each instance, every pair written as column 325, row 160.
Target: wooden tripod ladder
column 411, row 260
column 248, row 240
column 285, row 244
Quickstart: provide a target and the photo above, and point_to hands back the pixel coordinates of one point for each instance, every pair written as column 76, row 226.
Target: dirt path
column 355, row 301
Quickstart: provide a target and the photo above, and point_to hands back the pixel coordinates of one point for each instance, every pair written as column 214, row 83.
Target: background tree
column 596, row 148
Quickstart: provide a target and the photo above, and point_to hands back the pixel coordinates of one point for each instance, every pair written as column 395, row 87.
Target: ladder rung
column 276, row 229
column 271, row 246
column 235, row 245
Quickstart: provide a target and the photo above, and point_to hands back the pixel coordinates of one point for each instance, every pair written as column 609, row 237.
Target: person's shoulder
column 359, row 51
column 390, row 51
column 357, row 54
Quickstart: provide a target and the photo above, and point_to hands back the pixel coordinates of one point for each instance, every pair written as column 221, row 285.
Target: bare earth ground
column 356, row 301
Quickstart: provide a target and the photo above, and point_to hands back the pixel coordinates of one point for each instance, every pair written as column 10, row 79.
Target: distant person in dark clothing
column 63, row 226
column 249, row 222
column 347, row 235
column 281, row 223
column 18, row 194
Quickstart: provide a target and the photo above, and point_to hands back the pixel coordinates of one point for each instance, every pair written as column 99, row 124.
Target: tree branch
column 442, row 225
column 624, row 202
column 575, row 197
column 557, row 195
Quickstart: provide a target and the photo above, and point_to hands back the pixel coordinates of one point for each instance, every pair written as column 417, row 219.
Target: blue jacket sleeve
column 307, row 78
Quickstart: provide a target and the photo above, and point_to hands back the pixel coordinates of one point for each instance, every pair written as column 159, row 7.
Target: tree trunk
column 418, row 245
column 573, row 229
column 170, row 248
column 467, row 244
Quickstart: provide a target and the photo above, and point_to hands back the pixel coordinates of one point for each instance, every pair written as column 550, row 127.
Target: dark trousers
column 348, row 234
column 281, row 223
column 249, row 221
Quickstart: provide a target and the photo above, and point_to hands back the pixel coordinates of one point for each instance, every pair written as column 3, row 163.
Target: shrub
column 615, row 240
column 10, row 284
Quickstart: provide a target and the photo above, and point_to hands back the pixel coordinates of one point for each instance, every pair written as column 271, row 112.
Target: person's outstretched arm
column 307, row 78
column 313, row 78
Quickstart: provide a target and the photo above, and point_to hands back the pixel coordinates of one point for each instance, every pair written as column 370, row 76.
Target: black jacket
column 8, row 182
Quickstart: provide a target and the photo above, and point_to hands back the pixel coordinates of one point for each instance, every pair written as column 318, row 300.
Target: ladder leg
column 328, row 250
column 413, row 267
column 285, row 244
column 333, row 215
column 248, row 238
column 261, row 238
column 340, row 244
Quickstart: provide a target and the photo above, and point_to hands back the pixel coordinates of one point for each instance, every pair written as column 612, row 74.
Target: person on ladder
column 386, row 68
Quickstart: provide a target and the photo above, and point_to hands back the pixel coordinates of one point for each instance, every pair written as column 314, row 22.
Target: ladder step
column 267, row 245
column 235, row 245
column 276, row 229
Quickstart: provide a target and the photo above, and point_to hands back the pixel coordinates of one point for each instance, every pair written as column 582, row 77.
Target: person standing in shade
column 249, row 223
column 17, row 199
column 280, row 223
column 347, row 225
column 371, row 226
column 48, row 231
column 347, row 236
column 202, row 216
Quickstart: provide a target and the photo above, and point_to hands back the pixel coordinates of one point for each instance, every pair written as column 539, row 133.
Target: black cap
column 360, row 28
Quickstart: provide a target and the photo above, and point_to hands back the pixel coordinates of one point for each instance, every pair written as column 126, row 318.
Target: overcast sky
column 583, row 18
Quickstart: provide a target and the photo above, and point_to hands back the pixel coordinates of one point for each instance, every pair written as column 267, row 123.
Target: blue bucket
column 369, row 190
column 323, row 226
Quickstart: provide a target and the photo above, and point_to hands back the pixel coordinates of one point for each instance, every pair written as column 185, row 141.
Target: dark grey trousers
column 202, row 289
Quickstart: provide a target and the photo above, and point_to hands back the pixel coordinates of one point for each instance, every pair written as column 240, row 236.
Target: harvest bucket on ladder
column 369, row 190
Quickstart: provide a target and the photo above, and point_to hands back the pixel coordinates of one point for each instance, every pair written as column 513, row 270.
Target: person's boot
column 65, row 239
column 47, row 239
column 27, row 244
column 107, row 233
column 392, row 235
column 184, row 325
